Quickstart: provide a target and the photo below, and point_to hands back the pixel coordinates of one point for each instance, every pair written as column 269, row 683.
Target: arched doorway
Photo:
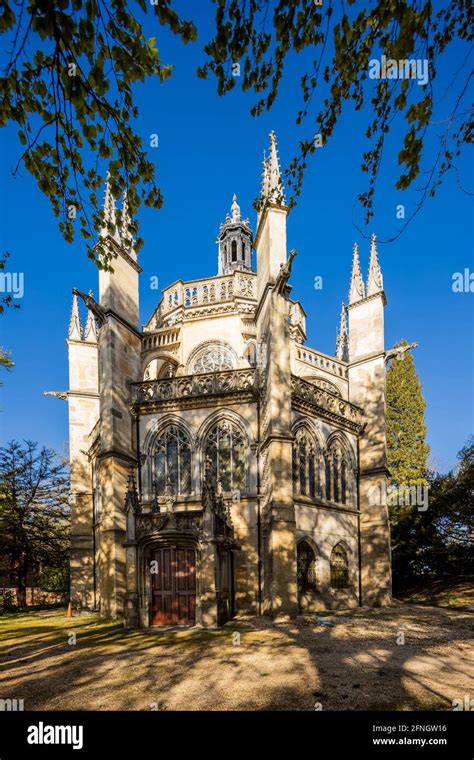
column 173, row 585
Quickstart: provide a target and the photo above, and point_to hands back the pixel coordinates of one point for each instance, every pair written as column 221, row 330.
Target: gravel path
column 399, row 658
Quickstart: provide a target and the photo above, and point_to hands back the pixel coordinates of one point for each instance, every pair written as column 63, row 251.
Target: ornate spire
column 272, row 185
column 75, row 326
column 90, row 330
column 235, row 209
column 275, row 184
column 374, row 278
column 235, row 242
column 109, row 209
column 342, row 341
column 356, row 289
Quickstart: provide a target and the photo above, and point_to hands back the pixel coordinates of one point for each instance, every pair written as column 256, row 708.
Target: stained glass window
column 335, row 470
column 344, row 482
column 327, row 462
column 302, row 452
column 173, row 462
column 305, row 464
column 339, row 474
column 312, row 478
column 226, row 447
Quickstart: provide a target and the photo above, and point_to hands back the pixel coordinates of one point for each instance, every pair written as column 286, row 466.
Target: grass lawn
column 343, row 661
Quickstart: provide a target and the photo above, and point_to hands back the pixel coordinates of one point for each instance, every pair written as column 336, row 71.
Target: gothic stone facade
column 218, row 464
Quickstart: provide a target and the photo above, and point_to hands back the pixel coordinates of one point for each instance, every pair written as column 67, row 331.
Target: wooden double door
column 173, row 586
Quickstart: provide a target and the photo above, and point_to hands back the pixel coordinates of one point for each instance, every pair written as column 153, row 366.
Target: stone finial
column 342, row 341
column 131, row 496
column 109, row 209
column 126, row 236
column 265, row 178
column 90, row 330
column 75, row 326
column 356, row 289
column 374, row 278
column 235, row 209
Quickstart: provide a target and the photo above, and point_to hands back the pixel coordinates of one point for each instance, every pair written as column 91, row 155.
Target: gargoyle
column 398, row 351
column 95, row 308
column 281, row 283
column 56, row 394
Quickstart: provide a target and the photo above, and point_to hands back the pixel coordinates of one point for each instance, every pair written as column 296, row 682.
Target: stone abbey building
column 218, row 464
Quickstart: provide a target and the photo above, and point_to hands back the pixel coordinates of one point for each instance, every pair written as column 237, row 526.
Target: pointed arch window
column 233, row 248
column 305, row 567
column 339, row 472
column 226, row 449
column 339, row 566
column 172, row 457
column 305, row 464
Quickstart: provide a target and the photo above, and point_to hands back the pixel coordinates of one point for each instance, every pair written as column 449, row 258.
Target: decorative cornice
column 301, row 501
column 380, row 294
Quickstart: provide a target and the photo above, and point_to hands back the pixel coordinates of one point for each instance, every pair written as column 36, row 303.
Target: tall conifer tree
column 406, row 428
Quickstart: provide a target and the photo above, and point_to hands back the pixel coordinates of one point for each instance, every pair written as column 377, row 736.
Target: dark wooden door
column 173, row 586
column 224, row 585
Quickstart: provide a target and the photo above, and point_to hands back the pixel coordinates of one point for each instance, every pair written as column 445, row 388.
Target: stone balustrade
column 306, row 391
column 210, row 290
column 321, row 361
column 208, row 384
column 160, row 338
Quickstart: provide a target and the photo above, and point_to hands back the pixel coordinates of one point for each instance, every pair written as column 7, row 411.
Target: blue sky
column 209, row 148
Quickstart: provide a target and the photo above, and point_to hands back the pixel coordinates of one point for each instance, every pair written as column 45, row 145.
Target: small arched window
column 172, row 456
column 233, row 248
column 305, row 567
column 168, row 370
column 226, row 450
column 339, row 568
column 251, row 354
